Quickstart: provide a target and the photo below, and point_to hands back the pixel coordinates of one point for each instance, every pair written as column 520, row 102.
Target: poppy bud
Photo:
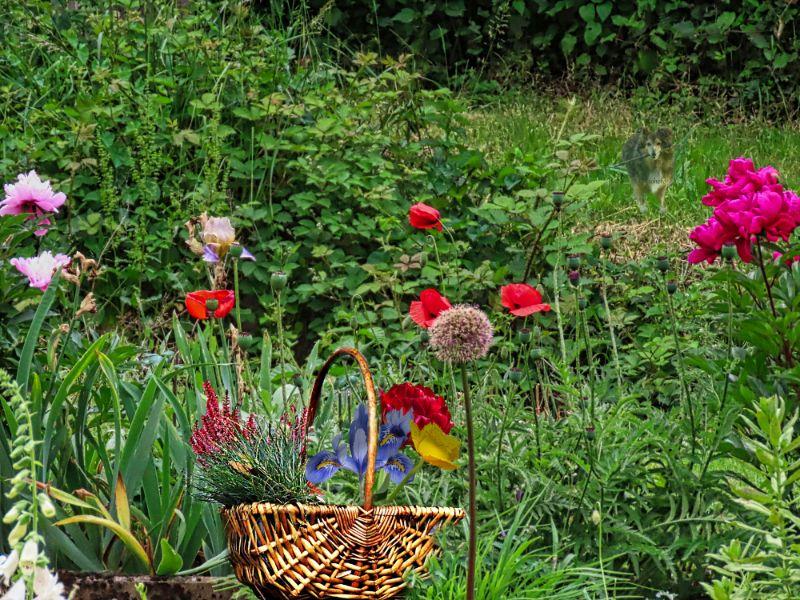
column 574, row 277
column 558, row 200
column 672, row 287
column 582, row 302
column 596, row 517
column 353, row 322
column 728, row 252
column 662, row 262
column 212, row 304
column 235, row 251
column 278, row 280
column 423, row 335
column 605, row 241
column 524, row 335
column 574, row 261
column 515, row 375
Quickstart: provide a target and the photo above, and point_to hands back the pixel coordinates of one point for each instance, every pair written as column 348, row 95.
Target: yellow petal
column 435, row 446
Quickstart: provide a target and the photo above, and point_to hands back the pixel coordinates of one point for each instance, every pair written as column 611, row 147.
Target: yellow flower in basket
column 435, row 446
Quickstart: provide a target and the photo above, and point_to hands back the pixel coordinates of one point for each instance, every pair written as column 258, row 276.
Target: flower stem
column 473, row 488
column 236, row 293
column 611, row 332
column 681, row 369
column 280, row 351
column 403, row 483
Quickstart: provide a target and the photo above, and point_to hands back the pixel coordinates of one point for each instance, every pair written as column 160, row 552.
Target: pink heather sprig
column 220, row 426
column 461, row 334
column 748, row 203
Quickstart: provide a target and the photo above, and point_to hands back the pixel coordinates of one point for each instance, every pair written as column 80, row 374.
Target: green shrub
column 744, row 49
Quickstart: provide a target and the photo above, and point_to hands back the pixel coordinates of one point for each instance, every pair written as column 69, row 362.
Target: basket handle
column 372, row 412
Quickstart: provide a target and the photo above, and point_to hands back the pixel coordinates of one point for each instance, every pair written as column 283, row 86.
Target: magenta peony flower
column 40, row 269
column 748, row 203
column 742, row 178
column 31, row 195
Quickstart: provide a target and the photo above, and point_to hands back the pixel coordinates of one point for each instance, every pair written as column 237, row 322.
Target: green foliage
column 764, row 559
column 724, row 47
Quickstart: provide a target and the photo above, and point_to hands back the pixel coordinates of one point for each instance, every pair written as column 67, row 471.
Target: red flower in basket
column 197, row 303
column 426, row 407
column 522, row 299
column 429, row 306
column 423, row 216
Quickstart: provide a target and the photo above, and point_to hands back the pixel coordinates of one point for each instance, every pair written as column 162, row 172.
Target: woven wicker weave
column 299, row 551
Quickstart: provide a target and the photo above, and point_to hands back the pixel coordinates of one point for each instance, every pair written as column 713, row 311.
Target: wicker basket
column 353, row 552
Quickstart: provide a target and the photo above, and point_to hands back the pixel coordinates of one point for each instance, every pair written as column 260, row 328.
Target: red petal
column 196, row 305
column 524, row 311
column 418, row 314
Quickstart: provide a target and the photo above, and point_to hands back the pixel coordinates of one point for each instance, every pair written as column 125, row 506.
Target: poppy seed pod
column 235, row 251
column 574, row 261
column 728, row 252
column 524, row 335
column 662, row 263
column 590, row 433
column 212, row 304
column 606, row 241
column 515, row 375
column 574, row 277
column 582, row 303
column 278, row 280
column 672, row 287
column 558, row 200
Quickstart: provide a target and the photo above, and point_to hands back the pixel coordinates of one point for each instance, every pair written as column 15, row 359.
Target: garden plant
column 321, row 300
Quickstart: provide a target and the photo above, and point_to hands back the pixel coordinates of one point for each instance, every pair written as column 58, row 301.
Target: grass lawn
column 531, row 123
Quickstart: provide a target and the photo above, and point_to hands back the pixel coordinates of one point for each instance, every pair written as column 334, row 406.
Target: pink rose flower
column 40, row 269
column 31, row 195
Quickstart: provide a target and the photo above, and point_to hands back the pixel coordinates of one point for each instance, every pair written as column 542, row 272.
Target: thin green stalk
column 473, row 488
column 589, row 358
column 611, row 332
column 236, row 293
column 403, row 483
column 681, row 369
column 280, row 345
column 557, row 310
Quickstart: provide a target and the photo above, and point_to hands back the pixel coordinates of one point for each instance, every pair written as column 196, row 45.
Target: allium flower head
column 40, row 269
column 461, row 334
column 31, row 195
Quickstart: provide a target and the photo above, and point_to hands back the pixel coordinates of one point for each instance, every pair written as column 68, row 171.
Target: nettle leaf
column 407, row 15
column 604, row 10
column 568, row 43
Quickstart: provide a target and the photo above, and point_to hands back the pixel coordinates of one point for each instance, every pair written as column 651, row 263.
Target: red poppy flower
column 426, row 406
column 522, row 299
column 423, row 216
column 196, row 302
column 429, row 306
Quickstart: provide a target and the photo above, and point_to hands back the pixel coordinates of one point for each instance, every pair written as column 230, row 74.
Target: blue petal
column 246, row 254
column 359, row 451
column 400, row 420
column 360, row 422
column 390, row 442
column 322, row 467
column 398, row 467
column 209, row 255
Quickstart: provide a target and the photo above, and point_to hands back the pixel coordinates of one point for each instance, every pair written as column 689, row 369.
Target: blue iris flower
column 392, row 435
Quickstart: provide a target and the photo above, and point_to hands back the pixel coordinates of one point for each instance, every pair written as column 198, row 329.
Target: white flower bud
column 46, row 506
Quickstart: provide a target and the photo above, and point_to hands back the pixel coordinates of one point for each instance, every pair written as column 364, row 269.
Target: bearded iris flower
column 354, row 456
column 219, row 237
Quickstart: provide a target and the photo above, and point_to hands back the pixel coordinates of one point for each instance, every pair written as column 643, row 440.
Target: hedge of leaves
column 744, row 47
